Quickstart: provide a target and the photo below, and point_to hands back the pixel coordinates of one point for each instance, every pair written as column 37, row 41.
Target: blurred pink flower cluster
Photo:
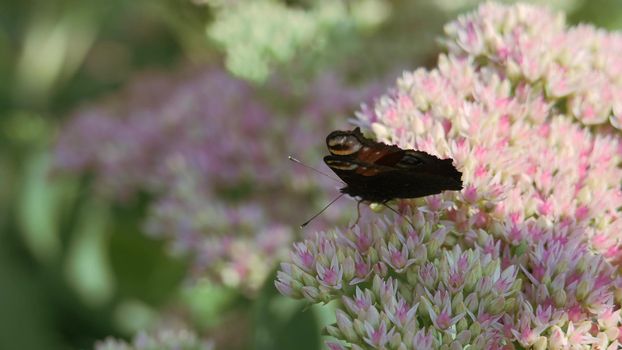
column 211, row 151
column 527, row 255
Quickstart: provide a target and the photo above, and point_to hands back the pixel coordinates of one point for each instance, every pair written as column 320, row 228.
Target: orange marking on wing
column 369, row 155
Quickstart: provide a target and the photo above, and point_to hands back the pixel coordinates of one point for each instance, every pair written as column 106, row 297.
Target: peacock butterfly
column 377, row 172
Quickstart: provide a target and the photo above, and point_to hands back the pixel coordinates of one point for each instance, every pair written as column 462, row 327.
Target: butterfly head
column 344, row 143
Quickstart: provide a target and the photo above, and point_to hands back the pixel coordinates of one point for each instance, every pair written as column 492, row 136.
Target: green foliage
column 208, row 303
column 282, row 323
column 258, row 36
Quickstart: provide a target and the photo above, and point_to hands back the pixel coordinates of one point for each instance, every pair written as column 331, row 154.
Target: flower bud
column 497, row 305
column 395, row 340
column 311, row 293
column 510, row 305
column 333, row 331
column 473, row 276
column 462, row 325
column 475, row 329
column 559, row 298
column 582, row 290
column 472, row 302
column 345, row 326
column 359, row 327
column 348, row 268
column 540, row 344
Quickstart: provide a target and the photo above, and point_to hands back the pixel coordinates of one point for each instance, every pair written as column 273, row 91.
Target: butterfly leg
column 358, row 214
column 400, row 214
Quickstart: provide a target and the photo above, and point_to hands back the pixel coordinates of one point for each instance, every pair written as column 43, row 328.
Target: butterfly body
column 377, row 172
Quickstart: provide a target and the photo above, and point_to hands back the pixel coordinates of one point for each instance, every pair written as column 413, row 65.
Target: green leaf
column 283, row 323
column 87, row 267
column 143, row 268
column 208, row 303
column 38, row 208
column 27, row 317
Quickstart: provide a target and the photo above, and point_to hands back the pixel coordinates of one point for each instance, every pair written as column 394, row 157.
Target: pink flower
column 378, row 337
column 330, row 276
column 335, row 346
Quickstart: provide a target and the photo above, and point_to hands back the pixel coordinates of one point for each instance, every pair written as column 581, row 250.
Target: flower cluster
column 579, row 66
column 133, row 141
column 161, row 340
column 525, row 256
column 212, row 153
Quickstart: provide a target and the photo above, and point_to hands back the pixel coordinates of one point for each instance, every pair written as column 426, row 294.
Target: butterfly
column 378, row 173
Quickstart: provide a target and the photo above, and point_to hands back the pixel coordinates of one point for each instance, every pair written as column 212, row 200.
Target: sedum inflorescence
column 526, row 255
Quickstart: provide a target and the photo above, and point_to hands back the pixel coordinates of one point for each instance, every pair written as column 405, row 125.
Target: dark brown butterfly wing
column 378, row 172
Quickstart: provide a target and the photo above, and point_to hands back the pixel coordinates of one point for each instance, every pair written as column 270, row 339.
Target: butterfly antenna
column 321, row 211
column 400, row 214
column 314, row 169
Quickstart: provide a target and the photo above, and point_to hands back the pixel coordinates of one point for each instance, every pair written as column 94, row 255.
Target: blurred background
column 145, row 192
